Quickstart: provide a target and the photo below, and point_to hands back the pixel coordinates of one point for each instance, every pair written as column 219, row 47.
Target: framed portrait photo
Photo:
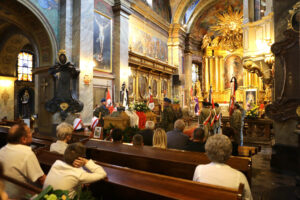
column 97, row 132
column 102, row 41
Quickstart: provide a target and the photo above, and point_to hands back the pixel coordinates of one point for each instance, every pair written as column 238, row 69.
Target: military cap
column 204, row 103
column 167, row 100
column 103, row 100
column 216, row 104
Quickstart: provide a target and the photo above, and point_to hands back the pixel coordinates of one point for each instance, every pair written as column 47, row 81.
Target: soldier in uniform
column 168, row 117
column 205, row 115
column 218, row 117
column 101, row 112
column 236, row 123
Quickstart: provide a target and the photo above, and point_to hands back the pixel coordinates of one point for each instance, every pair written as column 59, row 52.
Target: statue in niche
column 124, row 96
column 25, row 113
column 65, row 99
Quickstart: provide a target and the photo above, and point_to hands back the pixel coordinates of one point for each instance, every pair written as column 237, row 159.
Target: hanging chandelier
column 228, row 31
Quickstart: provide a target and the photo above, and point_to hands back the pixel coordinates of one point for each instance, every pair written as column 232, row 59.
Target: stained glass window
column 25, row 63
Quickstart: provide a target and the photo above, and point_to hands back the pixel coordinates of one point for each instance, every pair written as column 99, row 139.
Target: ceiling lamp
column 228, row 31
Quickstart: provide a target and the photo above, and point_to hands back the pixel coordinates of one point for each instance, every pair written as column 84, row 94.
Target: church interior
column 61, row 59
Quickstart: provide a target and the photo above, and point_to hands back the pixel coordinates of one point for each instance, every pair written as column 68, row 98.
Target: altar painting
column 233, row 67
column 102, row 50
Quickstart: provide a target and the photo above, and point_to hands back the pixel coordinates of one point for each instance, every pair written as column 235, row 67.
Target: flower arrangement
column 140, row 107
column 176, row 101
column 252, row 113
column 49, row 194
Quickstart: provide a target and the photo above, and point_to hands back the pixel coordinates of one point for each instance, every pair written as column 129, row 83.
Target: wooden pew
column 248, row 150
column 176, row 163
column 18, row 190
column 125, row 183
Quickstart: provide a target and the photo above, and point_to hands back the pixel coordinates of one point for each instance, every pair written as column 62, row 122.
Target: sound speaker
column 176, row 80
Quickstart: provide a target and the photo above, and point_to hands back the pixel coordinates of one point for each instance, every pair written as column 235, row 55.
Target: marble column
column 221, row 59
column 82, row 52
column 66, row 16
column 187, row 76
column 269, row 7
column 121, row 68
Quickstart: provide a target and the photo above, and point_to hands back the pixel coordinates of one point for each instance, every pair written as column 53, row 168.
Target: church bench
column 125, row 183
column 175, row 163
column 19, row 190
column 248, row 150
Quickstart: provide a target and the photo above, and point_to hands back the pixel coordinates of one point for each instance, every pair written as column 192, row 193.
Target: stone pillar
column 121, row 45
column 175, row 53
column 82, row 52
column 187, row 76
column 66, row 15
column 269, row 7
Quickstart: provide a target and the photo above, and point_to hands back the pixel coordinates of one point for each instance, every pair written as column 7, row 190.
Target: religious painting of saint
column 233, row 67
column 250, row 97
column 130, row 85
column 164, row 88
column 143, row 87
column 102, row 50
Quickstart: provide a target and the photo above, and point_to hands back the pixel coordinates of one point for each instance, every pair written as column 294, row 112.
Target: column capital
column 122, row 7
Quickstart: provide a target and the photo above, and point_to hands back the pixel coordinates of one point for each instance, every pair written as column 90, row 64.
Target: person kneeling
column 69, row 175
column 218, row 149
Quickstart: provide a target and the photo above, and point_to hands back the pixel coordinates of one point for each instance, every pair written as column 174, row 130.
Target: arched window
column 25, row 64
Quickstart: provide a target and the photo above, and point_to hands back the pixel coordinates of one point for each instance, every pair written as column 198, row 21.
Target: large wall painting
column 50, row 8
column 144, row 43
column 102, row 52
column 233, row 67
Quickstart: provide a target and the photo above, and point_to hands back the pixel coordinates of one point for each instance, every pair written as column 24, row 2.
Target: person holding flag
column 205, row 117
column 101, row 112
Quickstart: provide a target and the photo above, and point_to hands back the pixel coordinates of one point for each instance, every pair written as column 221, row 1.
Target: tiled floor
column 268, row 183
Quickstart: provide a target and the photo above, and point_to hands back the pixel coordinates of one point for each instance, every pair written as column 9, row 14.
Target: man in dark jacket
column 198, row 142
column 147, row 133
column 176, row 139
column 168, row 116
column 101, row 112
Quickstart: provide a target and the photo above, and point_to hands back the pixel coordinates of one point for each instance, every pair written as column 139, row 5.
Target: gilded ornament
column 64, row 106
column 298, row 111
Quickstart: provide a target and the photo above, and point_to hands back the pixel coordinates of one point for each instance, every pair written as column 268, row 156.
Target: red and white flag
column 234, row 86
column 151, row 102
column 109, row 104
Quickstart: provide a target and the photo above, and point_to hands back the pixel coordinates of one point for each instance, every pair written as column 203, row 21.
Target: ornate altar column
column 121, row 68
column 82, row 54
column 221, row 73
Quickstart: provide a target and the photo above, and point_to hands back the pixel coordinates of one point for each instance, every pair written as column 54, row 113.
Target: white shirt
column 19, row 162
column 222, row 175
column 76, row 121
column 70, row 178
column 95, row 121
column 58, row 147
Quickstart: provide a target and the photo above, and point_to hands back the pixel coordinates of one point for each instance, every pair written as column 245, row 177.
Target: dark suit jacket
column 147, row 136
column 195, row 146
column 176, row 139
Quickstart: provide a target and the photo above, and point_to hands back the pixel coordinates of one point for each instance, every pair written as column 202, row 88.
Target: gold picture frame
column 250, row 96
column 102, row 42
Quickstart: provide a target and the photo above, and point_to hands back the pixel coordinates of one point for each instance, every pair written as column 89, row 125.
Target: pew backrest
column 125, row 183
column 180, row 164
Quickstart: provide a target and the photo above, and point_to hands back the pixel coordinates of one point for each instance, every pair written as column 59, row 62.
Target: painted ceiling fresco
column 207, row 18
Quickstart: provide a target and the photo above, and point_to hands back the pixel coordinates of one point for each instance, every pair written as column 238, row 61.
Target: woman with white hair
column 218, row 149
column 64, row 134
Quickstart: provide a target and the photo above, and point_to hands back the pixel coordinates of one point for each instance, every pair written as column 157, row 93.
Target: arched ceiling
column 203, row 15
column 18, row 19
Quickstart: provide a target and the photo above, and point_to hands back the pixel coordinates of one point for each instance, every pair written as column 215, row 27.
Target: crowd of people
column 20, row 162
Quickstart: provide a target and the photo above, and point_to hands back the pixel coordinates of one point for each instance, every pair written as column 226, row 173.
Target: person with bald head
column 19, row 161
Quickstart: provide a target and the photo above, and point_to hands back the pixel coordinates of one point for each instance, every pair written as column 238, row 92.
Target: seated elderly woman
column 160, row 138
column 64, row 135
column 218, row 149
